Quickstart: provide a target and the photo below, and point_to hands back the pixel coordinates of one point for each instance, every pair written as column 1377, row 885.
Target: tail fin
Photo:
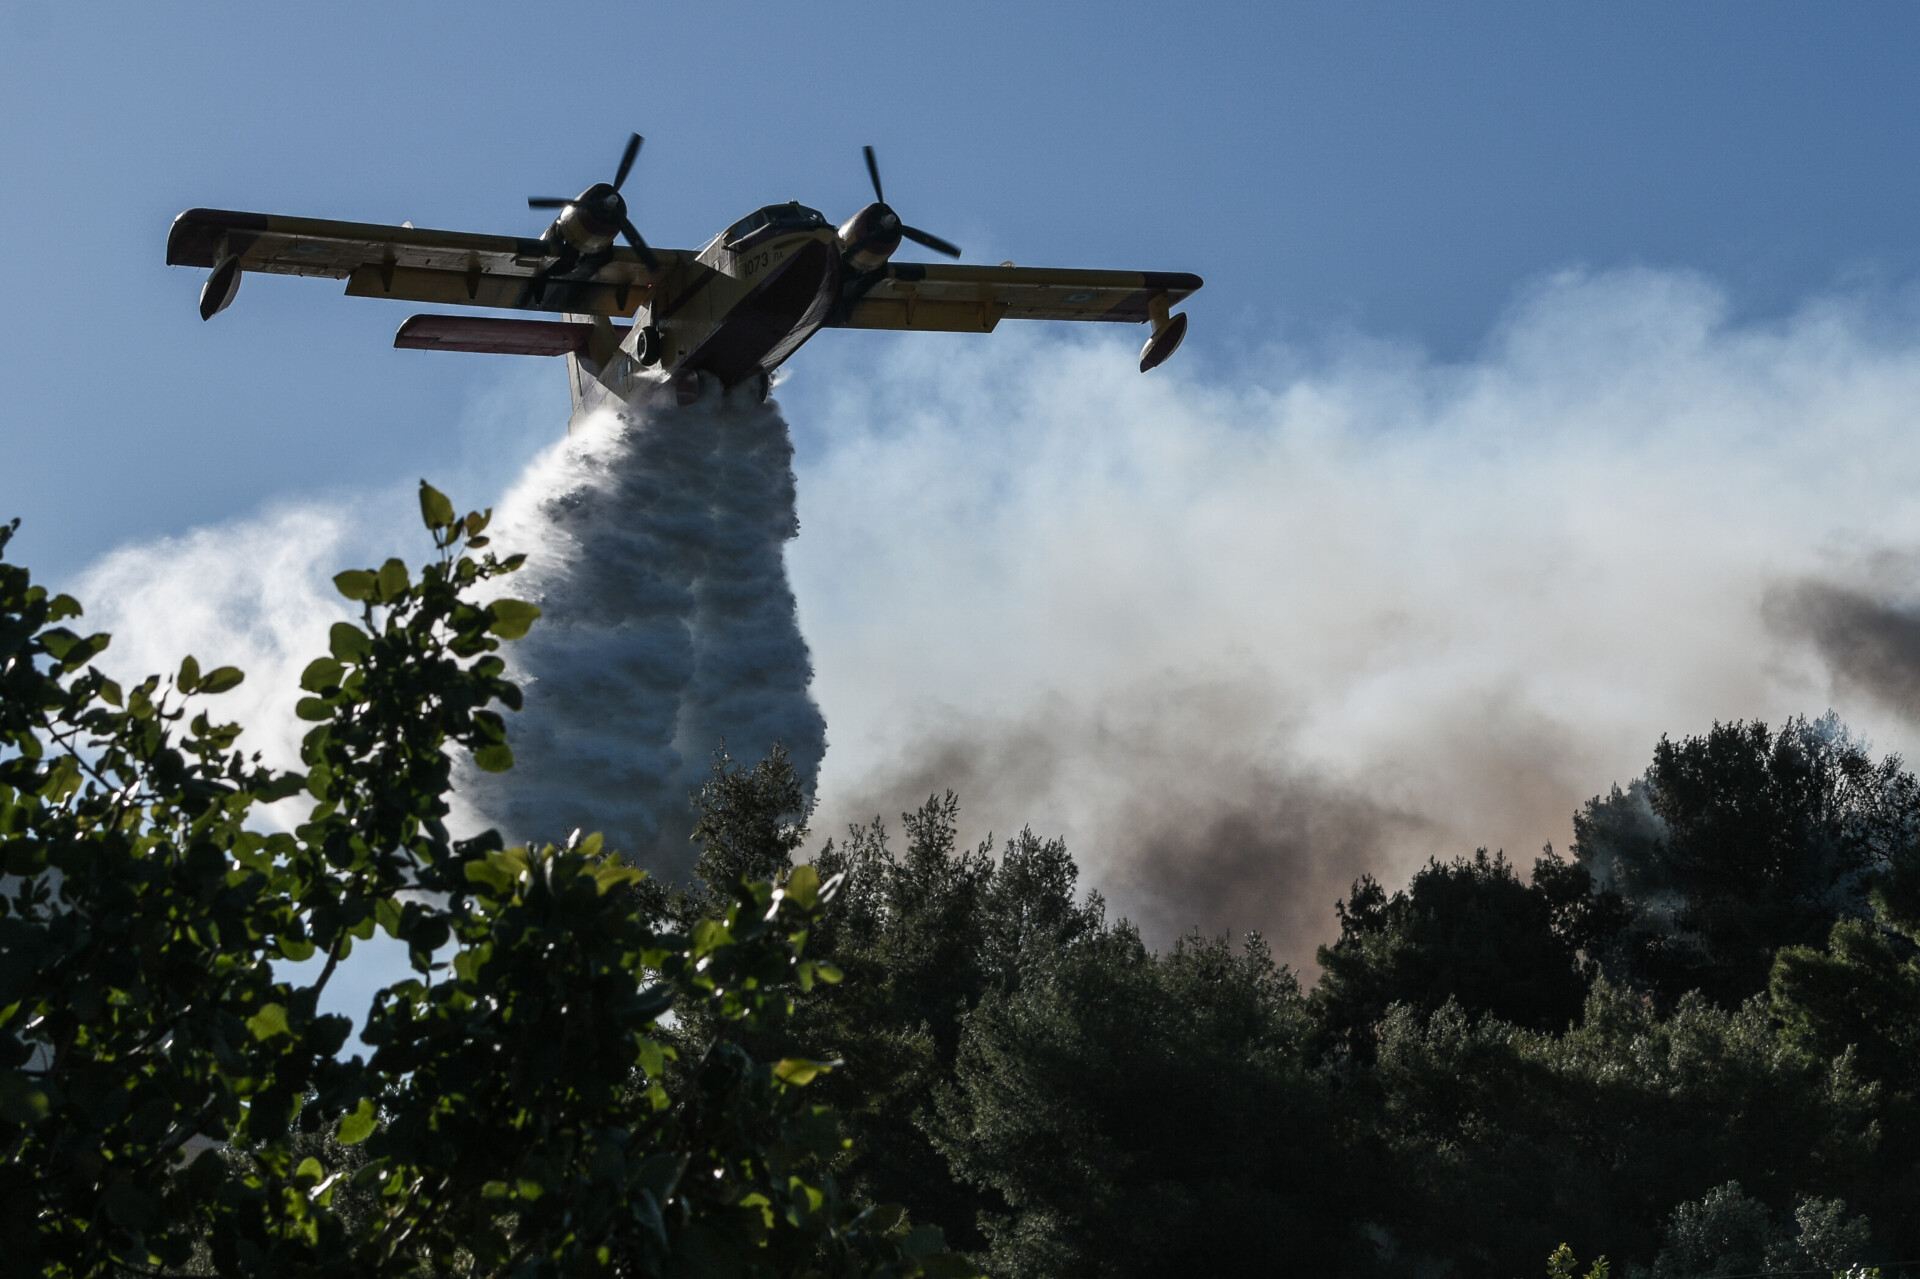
column 584, row 386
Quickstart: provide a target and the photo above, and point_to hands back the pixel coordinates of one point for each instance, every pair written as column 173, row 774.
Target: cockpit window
column 773, row 219
column 746, row 226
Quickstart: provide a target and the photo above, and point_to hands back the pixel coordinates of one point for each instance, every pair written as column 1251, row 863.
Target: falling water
column 655, row 546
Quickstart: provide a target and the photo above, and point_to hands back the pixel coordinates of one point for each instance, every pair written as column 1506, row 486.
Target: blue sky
column 1392, row 170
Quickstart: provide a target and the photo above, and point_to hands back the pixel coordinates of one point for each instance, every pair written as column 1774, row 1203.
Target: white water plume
column 655, row 543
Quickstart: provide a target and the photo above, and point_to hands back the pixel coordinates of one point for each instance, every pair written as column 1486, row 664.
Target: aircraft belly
column 773, row 319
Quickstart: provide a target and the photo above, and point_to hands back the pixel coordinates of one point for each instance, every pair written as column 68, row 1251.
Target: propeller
column 604, row 204
column 889, row 221
column 626, row 160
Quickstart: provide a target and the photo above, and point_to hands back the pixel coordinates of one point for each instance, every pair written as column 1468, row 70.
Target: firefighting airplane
column 733, row 310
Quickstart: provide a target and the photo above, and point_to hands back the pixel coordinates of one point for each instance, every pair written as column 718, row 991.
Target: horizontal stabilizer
column 489, row 336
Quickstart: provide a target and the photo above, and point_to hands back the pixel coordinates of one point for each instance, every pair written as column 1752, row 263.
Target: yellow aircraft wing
column 452, row 268
column 972, row 299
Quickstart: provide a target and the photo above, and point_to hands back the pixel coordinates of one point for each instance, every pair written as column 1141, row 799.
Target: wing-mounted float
column 735, row 309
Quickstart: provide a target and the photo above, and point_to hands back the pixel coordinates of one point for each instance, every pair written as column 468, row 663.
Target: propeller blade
column 626, row 160
column 873, row 171
column 933, row 242
column 547, row 202
column 640, row 246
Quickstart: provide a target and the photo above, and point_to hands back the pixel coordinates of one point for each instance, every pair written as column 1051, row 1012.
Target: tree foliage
column 523, row 1109
column 1742, row 841
column 1109, row 1110
column 1725, row 1232
column 1498, row 1143
column 1111, row 1079
column 1470, row 931
column 922, row 934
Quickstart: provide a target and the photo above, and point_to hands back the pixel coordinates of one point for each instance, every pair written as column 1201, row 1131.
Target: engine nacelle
column 590, row 223
column 870, row 237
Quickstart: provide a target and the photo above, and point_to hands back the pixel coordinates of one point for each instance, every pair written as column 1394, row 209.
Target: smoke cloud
column 1240, row 640
column 1193, row 811
column 255, row 593
column 1868, row 631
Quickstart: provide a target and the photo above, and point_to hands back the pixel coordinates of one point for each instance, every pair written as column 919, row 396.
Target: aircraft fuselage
column 736, row 311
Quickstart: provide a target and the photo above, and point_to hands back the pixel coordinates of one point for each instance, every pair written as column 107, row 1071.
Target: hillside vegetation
column 1689, row 1043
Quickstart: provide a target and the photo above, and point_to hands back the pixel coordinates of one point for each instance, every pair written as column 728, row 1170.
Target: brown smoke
column 1185, row 805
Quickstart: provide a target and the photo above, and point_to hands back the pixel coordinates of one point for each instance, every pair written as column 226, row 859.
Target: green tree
column 1725, row 1232
column 1860, row 994
column 1742, row 841
column 1146, row 1114
column 523, row 1109
column 923, row 935
column 1485, row 1145
column 1466, row 930
column 1858, row 1000
column 749, row 821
